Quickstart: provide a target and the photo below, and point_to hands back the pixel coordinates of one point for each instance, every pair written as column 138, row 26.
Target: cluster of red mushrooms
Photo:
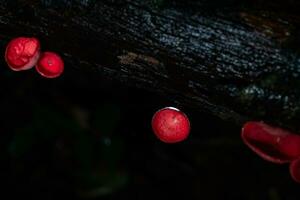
column 170, row 125
column 23, row 53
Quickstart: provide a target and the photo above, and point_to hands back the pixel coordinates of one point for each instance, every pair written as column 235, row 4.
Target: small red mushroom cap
column 22, row 53
column 295, row 170
column 170, row 125
column 271, row 143
column 50, row 65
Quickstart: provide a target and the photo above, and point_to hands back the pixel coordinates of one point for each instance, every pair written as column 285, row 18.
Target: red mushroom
column 22, row 53
column 50, row 65
column 272, row 144
column 295, row 170
column 170, row 125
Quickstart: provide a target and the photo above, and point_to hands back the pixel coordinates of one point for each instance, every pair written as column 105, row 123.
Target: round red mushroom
column 22, row 53
column 170, row 125
column 50, row 65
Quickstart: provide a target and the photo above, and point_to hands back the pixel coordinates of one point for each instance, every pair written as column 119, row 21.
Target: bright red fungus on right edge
column 50, row 65
column 274, row 144
column 295, row 170
column 170, row 125
column 271, row 143
column 22, row 53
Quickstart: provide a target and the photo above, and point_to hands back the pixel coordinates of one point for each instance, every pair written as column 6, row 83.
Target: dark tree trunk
column 236, row 61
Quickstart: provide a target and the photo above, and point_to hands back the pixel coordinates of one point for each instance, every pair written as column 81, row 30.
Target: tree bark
column 236, row 61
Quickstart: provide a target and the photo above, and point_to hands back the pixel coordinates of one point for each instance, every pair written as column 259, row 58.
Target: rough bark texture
column 236, row 61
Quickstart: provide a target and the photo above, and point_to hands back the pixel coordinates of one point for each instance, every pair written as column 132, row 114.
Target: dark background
column 85, row 137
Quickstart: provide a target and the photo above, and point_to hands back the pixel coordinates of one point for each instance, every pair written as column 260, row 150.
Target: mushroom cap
column 22, row 53
column 271, row 143
column 295, row 170
column 50, row 65
column 170, row 125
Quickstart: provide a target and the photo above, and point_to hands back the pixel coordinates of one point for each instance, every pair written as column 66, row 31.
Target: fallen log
column 222, row 58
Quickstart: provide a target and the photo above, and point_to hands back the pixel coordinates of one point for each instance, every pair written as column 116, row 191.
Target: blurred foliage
column 96, row 151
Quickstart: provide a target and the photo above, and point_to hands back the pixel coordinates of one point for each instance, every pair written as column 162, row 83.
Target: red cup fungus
column 170, row 125
column 295, row 170
column 22, row 53
column 272, row 144
column 50, row 65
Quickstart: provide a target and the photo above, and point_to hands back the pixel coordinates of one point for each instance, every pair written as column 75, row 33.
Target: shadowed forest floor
column 61, row 139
